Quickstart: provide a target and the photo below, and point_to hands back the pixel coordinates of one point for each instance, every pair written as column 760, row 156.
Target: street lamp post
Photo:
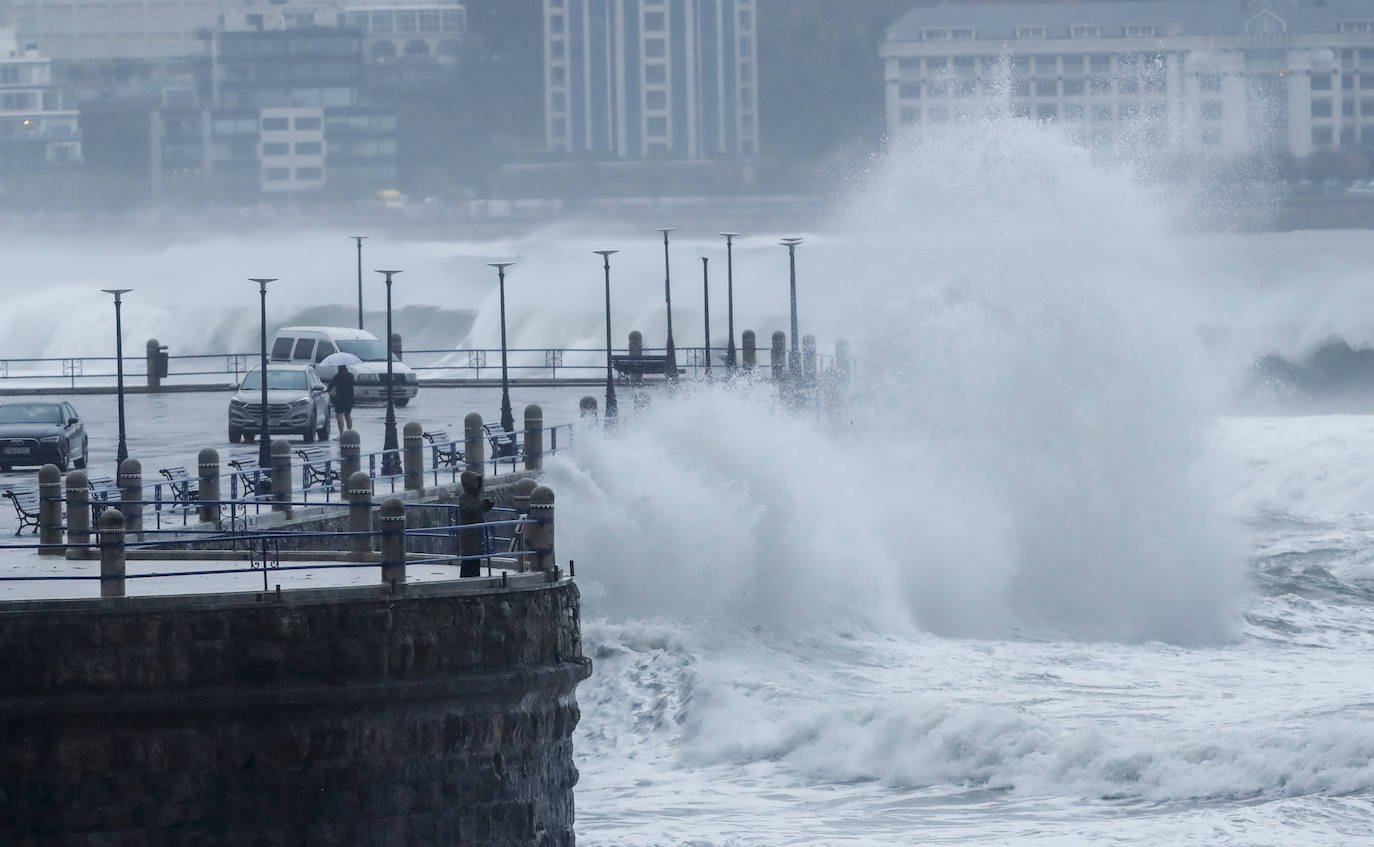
column 507, row 417
column 359, row 239
column 122, row 452
column 730, row 298
column 264, row 447
column 795, row 363
column 670, row 354
column 611, row 411
column 706, row 310
column 391, row 459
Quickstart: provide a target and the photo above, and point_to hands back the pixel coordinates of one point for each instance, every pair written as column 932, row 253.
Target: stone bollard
column 153, row 356
column 130, row 496
column 779, row 355
column 534, row 437
column 751, row 350
column 350, row 454
column 207, row 463
column 539, row 536
column 112, row 553
column 413, row 456
column 842, row 360
column 808, row 352
column 396, row 345
column 587, row 407
column 474, row 443
column 523, row 488
column 360, row 514
column 281, row 476
column 392, row 517
column 636, row 350
column 50, row 511
column 78, row 515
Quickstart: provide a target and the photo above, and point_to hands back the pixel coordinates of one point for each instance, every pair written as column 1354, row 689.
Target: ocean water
column 1035, row 580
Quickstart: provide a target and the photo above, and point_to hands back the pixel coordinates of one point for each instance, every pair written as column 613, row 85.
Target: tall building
column 1231, row 75
column 106, row 29
column 37, row 131
column 656, row 79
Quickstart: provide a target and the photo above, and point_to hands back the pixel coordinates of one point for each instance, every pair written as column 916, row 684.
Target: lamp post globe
column 122, row 452
column 670, row 354
column 391, row 457
column 264, row 447
column 730, row 353
column 507, row 416
column 611, row 410
column 794, row 365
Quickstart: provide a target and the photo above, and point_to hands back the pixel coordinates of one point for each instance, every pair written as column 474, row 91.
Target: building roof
column 1170, row 17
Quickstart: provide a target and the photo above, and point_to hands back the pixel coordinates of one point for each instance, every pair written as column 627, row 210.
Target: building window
column 655, row 48
column 1211, row 110
column 1099, row 86
column 276, row 174
column 1348, row 107
column 1321, row 136
column 746, row 20
column 558, row 75
column 1156, row 110
column 1140, row 30
column 934, row 34
column 276, row 148
column 655, row 74
column 911, row 115
column 307, row 123
column 937, row 114
column 1357, row 26
column 656, row 99
column 560, row 127
column 909, row 90
column 1209, row 82
column 937, row 89
column 1100, row 63
column 1129, row 110
column 555, row 24
column 1366, row 81
column 310, row 173
column 556, row 49
column 559, row 101
column 1367, row 106
column 1020, row 88
column 1102, row 111
column 656, row 126
column 965, row 88
column 746, row 48
column 381, row 22
column 963, row 33
column 275, row 124
column 1046, row 88
column 309, row 148
column 1030, row 32
column 1321, row 107
column 1074, row 111
column 1321, row 81
column 1073, row 88
column 1266, row 22
column 1082, row 31
column 1046, row 112
column 1128, row 85
column 654, row 21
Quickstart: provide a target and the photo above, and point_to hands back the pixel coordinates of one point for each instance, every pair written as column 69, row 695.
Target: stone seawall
column 438, row 714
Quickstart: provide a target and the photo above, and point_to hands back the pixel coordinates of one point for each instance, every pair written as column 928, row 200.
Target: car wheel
column 235, row 435
column 63, row 462
column 249, row 437
column 401, row 401
column 308, row 435
column 324, row 430
column 80, row 464
column 5, row 467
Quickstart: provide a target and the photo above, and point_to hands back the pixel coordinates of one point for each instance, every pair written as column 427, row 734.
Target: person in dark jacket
column 472, row 509
column 341, row 392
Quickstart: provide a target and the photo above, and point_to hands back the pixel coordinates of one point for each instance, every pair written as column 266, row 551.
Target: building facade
column 1230, row 75
column 651, row 79
column 38, row 132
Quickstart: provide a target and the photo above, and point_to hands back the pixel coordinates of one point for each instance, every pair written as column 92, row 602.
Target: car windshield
column 22, row 413
column 367, row 349
column 284, row 379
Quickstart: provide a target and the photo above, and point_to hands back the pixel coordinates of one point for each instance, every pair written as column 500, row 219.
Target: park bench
column 320, row 467
column 179, row 483
column 25, row 502
column 104, row 493
column 503, row 444
column 246, row 468
column 446, row 452
column 639, row 366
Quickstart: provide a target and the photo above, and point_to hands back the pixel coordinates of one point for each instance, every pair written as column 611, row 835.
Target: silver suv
column 296, row 404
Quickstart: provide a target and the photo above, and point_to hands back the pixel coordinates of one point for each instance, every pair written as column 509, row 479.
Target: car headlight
column 50, row 439
column 369, row 379
column 236, row 403
column 411, row 379
column 301, row 403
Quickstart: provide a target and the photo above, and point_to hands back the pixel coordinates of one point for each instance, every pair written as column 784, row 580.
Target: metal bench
column 179, row 482
column 246, row 468
column 25, row 502
column 445, row 449
column 318, row 466
column 637, row 366
column 104, row 493
column 503, row 444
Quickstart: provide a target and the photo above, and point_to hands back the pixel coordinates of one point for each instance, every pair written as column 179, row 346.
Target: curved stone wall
column 441, row 714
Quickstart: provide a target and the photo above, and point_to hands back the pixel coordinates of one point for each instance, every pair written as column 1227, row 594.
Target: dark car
column 40, row 434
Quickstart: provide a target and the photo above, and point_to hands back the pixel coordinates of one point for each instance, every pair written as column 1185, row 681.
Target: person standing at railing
column 341, row 393
column 472, row 511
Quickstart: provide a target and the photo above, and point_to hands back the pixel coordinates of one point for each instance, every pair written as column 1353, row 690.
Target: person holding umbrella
column 341, row 387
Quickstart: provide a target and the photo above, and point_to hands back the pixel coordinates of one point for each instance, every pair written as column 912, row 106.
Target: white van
column 311, row 344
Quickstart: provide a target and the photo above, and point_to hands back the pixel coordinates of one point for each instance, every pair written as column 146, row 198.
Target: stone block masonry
column 438, row 714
